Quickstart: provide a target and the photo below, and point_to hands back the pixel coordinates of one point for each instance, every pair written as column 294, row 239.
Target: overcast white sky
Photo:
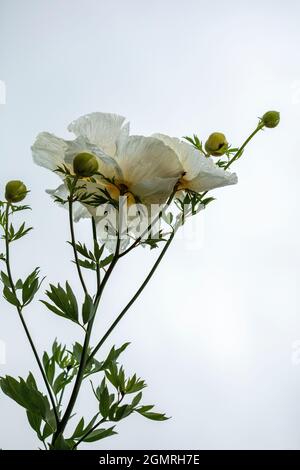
column 213, row 333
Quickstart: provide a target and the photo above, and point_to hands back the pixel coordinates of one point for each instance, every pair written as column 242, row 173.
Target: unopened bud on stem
column 85, row 165
column 216, row 144
column 271, row 119
column 15, row 191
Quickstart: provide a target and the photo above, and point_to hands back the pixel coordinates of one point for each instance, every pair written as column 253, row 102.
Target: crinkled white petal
column 49, row 151
column 107, row 166
column 201, row 173
column 154, row 190
column 101, row 129
column 145, row 158
column 186, row 153
column 210, row 177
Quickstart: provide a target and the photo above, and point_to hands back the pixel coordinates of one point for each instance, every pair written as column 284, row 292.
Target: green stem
column 103, row 420
column 19, row 310
column 95, row 249
column 62, row 392
column 85, row 350
column 73, row 241
column 240, row 150
column 134, row 298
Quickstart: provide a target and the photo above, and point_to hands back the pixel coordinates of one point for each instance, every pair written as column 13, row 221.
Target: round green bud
column 15, row 191
column 216, row 144
column 85, row 165
column 271, row 119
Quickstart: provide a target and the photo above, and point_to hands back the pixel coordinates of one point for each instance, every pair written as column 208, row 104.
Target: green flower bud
column 15, row 191
column 216, row 144
column 271, row 119
column 85, row 165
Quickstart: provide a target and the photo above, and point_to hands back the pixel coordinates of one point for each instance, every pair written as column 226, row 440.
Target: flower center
column 118, row 189
column 182, row 183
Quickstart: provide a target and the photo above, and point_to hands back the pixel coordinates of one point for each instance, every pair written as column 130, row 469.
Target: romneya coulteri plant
column 136, row 191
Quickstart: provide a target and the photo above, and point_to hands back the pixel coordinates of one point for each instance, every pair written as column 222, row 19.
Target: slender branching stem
column 95, row 249
column 101, row 421
column 85, row 348
column 89, row 432
column 73, row 241
column 240, row 150
column 20, row 313
column 134, row 298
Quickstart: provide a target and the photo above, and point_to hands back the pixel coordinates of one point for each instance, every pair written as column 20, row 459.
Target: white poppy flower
column 142, row 168
column 147, row 170
column 200, row 173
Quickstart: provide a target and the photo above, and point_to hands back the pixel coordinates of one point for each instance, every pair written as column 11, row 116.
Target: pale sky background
column 213, row 333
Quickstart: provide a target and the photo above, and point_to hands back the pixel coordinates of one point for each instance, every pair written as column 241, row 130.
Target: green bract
column 85, row 165
column 216, row 144
column 15, row 191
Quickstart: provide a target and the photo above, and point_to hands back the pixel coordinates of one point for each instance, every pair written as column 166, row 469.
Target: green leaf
column 122, row 412
column 98, row 251
column 104, row 402
column 64, row 300
column 99, row 434
column 53, row 309
column 19, row 284
column 28, row 396
column 112, row 374
column 47, row 431
column 62, row 444
column 10, row 297
column 21, row 232
column 152, row 415
column 83, row 251
column 30, row 287
column 18, row 208
column 88, row 309
column 77, row 351
column 207, row 200
column 136, row 400
column 35, row 422
column 87, row 264
column 49, row 366
column 60, row 382
column 121, row 379
column 134, row 384
column 106, row 261
column 30, row 381
column 145, row 408
column 90, row 424
column 79, row 430
column 5, row 279
column 72, row 301
column 113, row 355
